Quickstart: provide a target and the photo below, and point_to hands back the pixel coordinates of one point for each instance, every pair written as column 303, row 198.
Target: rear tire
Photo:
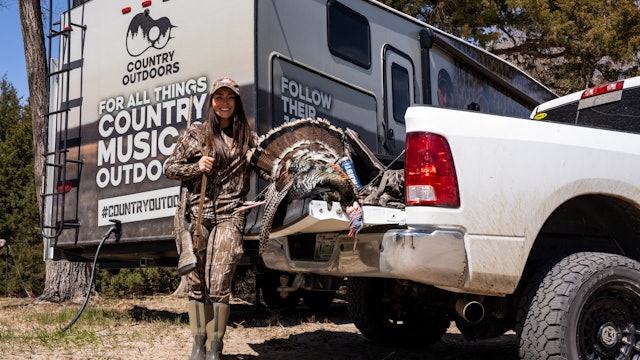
column 586, row 307
column 377, row 321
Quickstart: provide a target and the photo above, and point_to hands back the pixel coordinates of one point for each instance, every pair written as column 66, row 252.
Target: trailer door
column 399, row 93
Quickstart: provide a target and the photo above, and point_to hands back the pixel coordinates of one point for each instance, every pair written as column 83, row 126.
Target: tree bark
column 66, row 281
column 63, row 280
column 35, row 58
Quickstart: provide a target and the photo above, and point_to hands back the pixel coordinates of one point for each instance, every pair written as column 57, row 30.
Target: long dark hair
column 242, row 136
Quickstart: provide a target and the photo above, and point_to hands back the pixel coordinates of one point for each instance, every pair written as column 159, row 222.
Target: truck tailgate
column 317, row 216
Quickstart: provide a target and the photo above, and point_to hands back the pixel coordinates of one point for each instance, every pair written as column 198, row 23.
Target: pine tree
column 18, row 206
column 10, row 108
column 567, row 45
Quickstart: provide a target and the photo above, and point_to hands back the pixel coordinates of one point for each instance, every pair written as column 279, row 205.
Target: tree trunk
column 36, row 61
column 63, row 280
column 66, row 281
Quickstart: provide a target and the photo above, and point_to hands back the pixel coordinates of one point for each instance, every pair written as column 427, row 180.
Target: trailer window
column 349, row 35
column 400, row 91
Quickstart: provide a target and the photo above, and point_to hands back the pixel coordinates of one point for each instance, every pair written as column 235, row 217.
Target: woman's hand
column 205, row 164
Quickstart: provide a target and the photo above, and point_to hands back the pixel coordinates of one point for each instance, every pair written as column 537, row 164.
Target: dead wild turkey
column 302, row 159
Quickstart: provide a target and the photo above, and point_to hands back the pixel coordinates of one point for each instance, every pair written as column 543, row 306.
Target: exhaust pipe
column 470, row 310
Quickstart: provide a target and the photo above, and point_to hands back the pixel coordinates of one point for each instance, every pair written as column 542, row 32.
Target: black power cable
column 116, row 229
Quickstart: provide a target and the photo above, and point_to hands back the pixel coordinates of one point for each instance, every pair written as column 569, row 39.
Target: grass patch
column 102, row 330
column 45, row 327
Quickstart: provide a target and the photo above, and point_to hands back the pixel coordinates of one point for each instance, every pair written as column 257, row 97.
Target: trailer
column 128, row 76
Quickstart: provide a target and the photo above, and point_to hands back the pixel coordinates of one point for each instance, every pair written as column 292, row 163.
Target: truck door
column 398, row 95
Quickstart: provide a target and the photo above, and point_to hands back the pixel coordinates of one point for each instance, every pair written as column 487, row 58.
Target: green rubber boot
column 215, row 331
column 199, row 315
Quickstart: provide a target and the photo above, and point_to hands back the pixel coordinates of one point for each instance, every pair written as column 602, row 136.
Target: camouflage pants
column 211, row 281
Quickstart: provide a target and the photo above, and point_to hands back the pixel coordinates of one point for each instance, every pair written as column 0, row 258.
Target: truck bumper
column 435, row 257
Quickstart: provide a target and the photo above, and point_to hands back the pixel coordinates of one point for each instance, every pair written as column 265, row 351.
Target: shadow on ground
column 322, row 344
column 345, row 345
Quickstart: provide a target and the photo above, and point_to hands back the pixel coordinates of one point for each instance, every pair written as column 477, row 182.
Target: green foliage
column 575, row 45
column 568, row 45
column 10, row 109
column 19, row 219
column 137, row 282
column 475, row 21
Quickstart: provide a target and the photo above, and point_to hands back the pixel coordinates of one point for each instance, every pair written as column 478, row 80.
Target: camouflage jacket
column 226, row 187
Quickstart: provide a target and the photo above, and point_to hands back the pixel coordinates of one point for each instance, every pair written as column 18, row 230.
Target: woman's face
column 223, row 102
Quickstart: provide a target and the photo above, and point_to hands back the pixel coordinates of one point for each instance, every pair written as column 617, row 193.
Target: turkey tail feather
column 274, row 197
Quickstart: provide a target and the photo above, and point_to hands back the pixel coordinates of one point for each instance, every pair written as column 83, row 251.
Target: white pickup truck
column 531, row 225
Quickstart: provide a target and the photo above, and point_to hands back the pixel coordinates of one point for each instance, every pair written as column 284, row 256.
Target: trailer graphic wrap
column 139, row 207
column 144, row 33
column 137, row 131
column 299, row 92
column 134, row 140
column 300, row 100
column 142, row 76
column 141, row 131
column 127, row 147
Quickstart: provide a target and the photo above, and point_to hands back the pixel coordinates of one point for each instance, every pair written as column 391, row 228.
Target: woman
column 216, row 148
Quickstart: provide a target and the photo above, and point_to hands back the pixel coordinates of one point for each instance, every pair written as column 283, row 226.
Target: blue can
column 347, row 166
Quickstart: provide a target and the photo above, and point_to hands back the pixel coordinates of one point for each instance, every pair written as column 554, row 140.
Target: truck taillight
column 430, row 175
column 598, row 90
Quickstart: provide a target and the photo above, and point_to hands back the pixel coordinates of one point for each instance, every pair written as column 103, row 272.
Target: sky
column 12, row 52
